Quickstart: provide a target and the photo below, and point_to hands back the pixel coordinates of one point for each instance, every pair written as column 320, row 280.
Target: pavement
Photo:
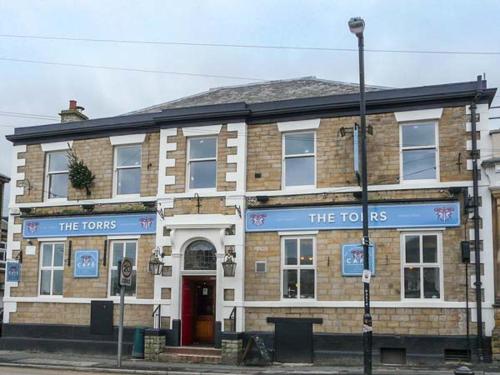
column 37, row 363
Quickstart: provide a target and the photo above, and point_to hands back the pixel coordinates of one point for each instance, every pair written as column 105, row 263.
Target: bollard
column 463, row 370
column 138, row 347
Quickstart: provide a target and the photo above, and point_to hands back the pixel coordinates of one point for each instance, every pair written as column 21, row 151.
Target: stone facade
column 249, row 176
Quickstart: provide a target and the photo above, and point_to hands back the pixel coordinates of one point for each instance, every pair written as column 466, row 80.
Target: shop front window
column 51, row 269
column 419, row 151
column 298, row 267
column 422, row 265
column 119, row 250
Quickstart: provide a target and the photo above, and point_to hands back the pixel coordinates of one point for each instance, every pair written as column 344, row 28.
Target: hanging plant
column 80, row 176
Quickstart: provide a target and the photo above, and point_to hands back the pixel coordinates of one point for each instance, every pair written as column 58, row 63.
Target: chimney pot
column 73, row 113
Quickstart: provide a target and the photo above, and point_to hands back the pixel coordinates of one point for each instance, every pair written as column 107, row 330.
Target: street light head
column 356, row 25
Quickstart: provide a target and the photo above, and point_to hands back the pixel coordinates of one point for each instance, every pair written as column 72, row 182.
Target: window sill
column 55, row 200
column 134, row 195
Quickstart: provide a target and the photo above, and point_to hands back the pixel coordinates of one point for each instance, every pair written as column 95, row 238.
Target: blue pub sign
column 352, row 259
column 86, row 263
column 95, row 225
column 381, row 216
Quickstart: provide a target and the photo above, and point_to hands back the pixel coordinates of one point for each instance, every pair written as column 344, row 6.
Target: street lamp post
column 357, row 26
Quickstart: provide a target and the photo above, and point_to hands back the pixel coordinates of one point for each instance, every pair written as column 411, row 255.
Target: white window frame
column 409, row 148
column 116, row 168
column 115, row 268
column 298, row 267
column 48, row 173
column 421, row 265
column 284, row 157
column 50, row 268
column 189, row 161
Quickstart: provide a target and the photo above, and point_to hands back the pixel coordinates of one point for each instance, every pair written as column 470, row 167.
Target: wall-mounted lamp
column 25, row 210
column 229, row 265
column 19, row 257
column 88, row 207
column 262, row 198
column 155, row 265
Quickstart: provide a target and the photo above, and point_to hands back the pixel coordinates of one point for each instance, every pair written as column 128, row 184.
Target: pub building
column 240, row 209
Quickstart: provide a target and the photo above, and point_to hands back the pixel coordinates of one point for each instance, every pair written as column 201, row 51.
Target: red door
column 187, row 312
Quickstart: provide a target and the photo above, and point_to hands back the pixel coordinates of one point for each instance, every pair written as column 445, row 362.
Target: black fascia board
column 334, row 105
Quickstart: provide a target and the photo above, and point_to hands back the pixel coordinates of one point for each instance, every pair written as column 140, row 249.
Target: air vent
column 393, row 356
column 456, row 355
column 260, row 266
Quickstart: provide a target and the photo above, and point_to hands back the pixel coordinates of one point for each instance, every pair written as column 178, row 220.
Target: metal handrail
column 232, row 317
column 158, row 309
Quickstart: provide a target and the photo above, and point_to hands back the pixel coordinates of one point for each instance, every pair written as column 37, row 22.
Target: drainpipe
column 475, row 197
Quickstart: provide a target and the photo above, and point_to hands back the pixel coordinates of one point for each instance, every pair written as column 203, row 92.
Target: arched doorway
column 198, row 293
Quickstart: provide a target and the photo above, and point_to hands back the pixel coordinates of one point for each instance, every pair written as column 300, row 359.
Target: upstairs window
column 419, row 151
column 299, row 166
column 57, row 175
column 128, row 169
column 202, row 163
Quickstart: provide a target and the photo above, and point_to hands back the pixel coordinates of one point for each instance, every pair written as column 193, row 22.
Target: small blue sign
column 13, row 272
column 381, row 216
column 353, row 258
column 86, row 263
column 95, row 225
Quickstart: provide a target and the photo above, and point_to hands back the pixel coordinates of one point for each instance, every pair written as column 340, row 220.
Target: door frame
column 210, row 277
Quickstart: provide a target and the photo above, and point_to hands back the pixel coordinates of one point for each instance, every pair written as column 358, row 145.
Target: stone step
column 190, row 354
column 196, row 350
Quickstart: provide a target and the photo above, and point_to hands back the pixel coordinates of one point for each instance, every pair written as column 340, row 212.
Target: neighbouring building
column 263, row 176
column 3, row 237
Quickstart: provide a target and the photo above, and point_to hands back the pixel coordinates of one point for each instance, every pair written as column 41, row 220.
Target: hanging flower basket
column 80, row 176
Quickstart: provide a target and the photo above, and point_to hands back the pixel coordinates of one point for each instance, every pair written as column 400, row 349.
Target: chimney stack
column 73, row 113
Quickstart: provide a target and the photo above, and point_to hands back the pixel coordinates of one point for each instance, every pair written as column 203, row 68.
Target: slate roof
column 269, row 91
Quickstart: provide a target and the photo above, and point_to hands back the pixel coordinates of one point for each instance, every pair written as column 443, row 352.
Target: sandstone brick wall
column 334, row 153
column 180, row 156
column 330, row 284
column 415, row 321
column 91, row 287
column 189, row 206
column 77, row 314
column 98, row 155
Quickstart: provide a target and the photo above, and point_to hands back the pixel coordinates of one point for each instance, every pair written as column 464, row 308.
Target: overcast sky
column 451, row 25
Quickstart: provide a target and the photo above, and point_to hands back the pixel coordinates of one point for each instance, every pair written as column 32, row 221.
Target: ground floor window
column 51, row 269
column 298, row 267
column 422, row 270
column 119, row 250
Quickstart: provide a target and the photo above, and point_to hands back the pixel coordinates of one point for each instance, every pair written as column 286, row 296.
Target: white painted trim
column 288, row 126
column 117, row 199
column 123, row 237
column 56, row 146
column 423, row 114
column 128, row 139
column 197, row 131
column 58, row 299
column 299, row 233
column 52, row 239
column 419, row 229
column 354, row 304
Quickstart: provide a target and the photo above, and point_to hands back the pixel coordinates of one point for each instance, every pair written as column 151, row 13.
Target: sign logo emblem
column 444, row 213
column 146, row 222
column 258, row 219
column 32, row 226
